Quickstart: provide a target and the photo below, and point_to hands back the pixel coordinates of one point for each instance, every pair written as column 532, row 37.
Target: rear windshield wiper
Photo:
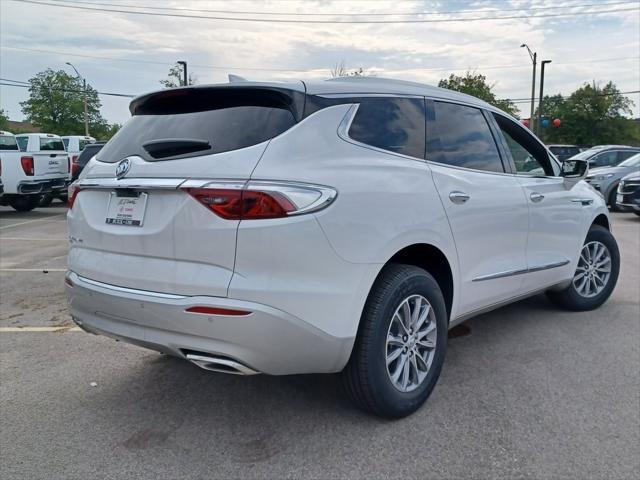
column 170, row 147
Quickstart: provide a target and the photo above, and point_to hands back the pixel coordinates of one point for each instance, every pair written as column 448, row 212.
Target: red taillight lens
column 75, row 166
column 243, row 204
column 72, row 193
column 27, row 165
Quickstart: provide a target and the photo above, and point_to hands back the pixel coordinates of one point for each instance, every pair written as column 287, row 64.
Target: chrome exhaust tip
column 219, row 364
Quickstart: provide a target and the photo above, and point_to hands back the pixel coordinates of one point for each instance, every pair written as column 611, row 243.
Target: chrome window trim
column 510, row 273
column 345, row 125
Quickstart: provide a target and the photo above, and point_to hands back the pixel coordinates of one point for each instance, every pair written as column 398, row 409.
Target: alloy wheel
column 594, row 269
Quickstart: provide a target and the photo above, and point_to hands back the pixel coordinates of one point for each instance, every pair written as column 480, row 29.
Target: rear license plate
column 619, row 198
column 126, row 210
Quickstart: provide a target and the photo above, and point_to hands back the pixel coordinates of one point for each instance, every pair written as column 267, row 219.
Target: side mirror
column 573, row 171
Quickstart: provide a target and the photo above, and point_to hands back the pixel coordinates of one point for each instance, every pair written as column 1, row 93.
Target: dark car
column 606, row 155
column 562, row 152
column 628, row 197
column 87, row 154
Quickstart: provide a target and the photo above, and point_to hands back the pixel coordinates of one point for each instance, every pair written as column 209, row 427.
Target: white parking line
column 34, row 220
column 22, row 239
column 38, row 329
column 33, row 269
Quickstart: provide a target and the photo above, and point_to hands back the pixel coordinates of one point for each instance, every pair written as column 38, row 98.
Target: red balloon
column 557, row 122
column 525, row 122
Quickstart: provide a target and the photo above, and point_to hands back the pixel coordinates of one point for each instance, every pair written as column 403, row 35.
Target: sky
column 129, row 53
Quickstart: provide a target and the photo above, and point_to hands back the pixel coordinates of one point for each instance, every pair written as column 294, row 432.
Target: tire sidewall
column 391, row 399
column 604, row 236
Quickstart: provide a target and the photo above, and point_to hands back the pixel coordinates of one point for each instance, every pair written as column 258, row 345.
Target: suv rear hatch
column 135, row 223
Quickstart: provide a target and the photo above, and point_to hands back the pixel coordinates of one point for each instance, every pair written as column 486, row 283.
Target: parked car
column 290, row 228
column 75, row 144
column 89, row 151
column 628, row 198
column 32, row 164
column 605, row 179
column 606, row 155
column 562, row 152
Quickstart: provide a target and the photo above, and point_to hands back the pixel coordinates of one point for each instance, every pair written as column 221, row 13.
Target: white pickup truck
column 32, row 164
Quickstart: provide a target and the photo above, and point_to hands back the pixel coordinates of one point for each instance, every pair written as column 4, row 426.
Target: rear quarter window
column 23, row 142
column 8, row 143
column 393, row 124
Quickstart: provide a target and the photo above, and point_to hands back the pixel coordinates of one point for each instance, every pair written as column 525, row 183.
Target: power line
column 18, row 83
column 344, row 14
column 302, row 70
column 335, row 22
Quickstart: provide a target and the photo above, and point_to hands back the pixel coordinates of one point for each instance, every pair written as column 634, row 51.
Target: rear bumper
column 42, row 186
column 267, row 340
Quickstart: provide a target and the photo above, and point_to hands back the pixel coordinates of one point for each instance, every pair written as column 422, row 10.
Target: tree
column 340, row 70
column 56, row 105
column 4, row 119
column 176, row 76
column 591, row 115
column 475, row 84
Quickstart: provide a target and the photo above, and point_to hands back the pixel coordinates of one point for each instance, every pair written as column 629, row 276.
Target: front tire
column 401, row 343
column 596, row 274
column 613, row 199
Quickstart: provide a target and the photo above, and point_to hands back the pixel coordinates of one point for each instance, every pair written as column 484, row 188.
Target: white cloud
column 408, row 51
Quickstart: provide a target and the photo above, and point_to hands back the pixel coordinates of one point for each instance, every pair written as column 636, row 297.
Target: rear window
column 88, row 152
column 394, row 124
column 49, row 144
column 200, row 124
column 8, row 142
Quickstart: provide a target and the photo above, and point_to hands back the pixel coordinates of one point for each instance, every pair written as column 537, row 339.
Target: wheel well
column 432, row 260
column 602, row 220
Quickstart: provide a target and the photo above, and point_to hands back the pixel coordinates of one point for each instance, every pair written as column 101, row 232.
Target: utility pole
column 541, row 98
column 534, row 60
column 185, row 81
column 84, row 98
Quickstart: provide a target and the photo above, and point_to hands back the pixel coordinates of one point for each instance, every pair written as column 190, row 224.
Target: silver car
column 606, row 179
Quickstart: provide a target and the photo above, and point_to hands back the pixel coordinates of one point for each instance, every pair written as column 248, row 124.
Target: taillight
column 27, row 165
column 263, row 200
column 75, row 166
column 72, row 193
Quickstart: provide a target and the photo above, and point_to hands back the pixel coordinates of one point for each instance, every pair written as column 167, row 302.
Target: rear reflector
column 27, row 165
column 217, row 311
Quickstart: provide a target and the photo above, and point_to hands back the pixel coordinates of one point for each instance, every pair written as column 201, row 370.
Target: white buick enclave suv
column 337, row 226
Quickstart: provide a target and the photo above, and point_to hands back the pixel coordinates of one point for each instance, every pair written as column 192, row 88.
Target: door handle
column 458, row 197
column 536, row 197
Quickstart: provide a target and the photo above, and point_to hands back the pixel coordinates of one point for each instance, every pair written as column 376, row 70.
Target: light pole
column 184, row 72
column 84, row 91
column 541, row 98
column 534, row 59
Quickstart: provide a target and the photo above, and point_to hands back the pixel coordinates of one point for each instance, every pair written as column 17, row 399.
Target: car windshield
column 631, row 161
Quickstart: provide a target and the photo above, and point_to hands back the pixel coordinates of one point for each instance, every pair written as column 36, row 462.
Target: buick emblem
column 123, row 167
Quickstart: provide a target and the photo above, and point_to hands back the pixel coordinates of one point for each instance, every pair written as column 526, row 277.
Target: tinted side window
column 66, row 143
column 624, row 154
column 605, row 159
column 465, row 139
column 22, row 143
column 8, row 143
column 394, row 124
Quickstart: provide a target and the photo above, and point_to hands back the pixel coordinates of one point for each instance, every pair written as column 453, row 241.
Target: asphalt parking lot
column 529, row 392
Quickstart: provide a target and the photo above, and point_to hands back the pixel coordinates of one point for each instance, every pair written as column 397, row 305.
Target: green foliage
column 55, row 104
column 175, row 77
column 475, row 84
column 105, row 131
column 592, row 115
column 4, row 120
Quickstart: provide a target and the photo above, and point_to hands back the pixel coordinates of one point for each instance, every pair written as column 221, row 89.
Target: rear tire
column 25, row 203
column 612, row 199
column 383, row 334
column 45, row 200
column 596, row 275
